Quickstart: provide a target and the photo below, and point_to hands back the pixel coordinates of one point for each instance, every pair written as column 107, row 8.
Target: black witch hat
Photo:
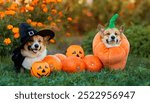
column 26, row 31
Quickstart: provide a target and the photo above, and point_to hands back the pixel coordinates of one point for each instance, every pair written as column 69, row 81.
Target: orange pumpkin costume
column 114, row 57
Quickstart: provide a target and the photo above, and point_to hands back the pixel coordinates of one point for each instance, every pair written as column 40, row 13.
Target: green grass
column 137, row 73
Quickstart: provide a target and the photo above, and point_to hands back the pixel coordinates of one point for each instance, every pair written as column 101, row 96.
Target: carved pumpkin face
column 40, row 69
column 75, row 50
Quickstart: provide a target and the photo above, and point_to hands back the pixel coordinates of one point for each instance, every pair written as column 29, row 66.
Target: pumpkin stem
column 112, row 21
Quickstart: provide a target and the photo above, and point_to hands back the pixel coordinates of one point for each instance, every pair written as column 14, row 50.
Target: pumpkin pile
column 76, row 61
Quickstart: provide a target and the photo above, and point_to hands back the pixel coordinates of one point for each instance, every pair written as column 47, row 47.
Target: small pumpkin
column 92, row 63
column 73, row 64
column 75, row 50
column 40, row 69
column 61, row 56
column 54, row 63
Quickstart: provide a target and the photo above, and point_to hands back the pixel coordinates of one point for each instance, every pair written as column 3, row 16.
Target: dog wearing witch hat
column 32, row 47
column 111, row 45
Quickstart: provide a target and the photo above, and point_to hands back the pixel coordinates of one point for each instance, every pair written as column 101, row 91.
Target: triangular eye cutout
column 39, row 67
column 46, row 67
column 74, row 52
column 80, row 52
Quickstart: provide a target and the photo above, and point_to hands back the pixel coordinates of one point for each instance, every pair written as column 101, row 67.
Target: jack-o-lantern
column 61, row 56
column 113, row 57
column 73, row 64
column 75, row 50
column 40, row 69
column 92, row 63
column 54, row 62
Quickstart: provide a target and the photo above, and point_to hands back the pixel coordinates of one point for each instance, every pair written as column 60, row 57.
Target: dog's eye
column 107, row 33
column 39, row 40
column 116, row 34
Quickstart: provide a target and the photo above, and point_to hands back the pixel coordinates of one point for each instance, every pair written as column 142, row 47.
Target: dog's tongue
column 35, row 51
column 113, row 41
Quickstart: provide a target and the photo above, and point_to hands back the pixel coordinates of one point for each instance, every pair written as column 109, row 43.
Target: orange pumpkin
column 114, row 58
column 92, row 63
column 40, row 69
column 75, row 50
column 73, row 64
column 60, row 56
column 54, row 63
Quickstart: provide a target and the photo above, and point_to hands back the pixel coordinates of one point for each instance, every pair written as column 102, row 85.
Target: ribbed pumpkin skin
column 54, row 62
column 73, row 64
column 61, row 56
column 92, row 63
column 115, row 57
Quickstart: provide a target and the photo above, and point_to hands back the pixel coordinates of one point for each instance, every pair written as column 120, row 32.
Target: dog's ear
column 121, row 29
column 100, row 28
column 46, row 38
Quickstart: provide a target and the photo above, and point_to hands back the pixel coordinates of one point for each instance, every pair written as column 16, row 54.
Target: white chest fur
column 27, row 63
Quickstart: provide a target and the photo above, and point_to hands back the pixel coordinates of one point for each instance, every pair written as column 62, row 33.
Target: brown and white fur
column 34, row 50
column 111, row 37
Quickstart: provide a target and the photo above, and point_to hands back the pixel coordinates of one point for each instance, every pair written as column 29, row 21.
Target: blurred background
column 75, row 22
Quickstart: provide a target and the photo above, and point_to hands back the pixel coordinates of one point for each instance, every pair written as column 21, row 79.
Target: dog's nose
column 113, row 37
column 36, row 45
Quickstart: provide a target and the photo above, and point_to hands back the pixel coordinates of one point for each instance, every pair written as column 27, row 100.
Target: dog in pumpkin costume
column 111, row 46
column 32, row 48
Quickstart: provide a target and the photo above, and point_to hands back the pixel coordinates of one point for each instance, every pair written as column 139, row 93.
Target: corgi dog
column 111, row 37
column 32, row 48
column 111, row 45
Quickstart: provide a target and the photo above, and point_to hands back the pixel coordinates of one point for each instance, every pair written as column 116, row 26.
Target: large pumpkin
column 115, row 57
column 54, row 63
column 75, row 50
column 92, row 63
column 40, row 69
column 61, row 56
column 73, row 64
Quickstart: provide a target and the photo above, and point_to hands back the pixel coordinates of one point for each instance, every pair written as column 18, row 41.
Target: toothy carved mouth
column 41, row 75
